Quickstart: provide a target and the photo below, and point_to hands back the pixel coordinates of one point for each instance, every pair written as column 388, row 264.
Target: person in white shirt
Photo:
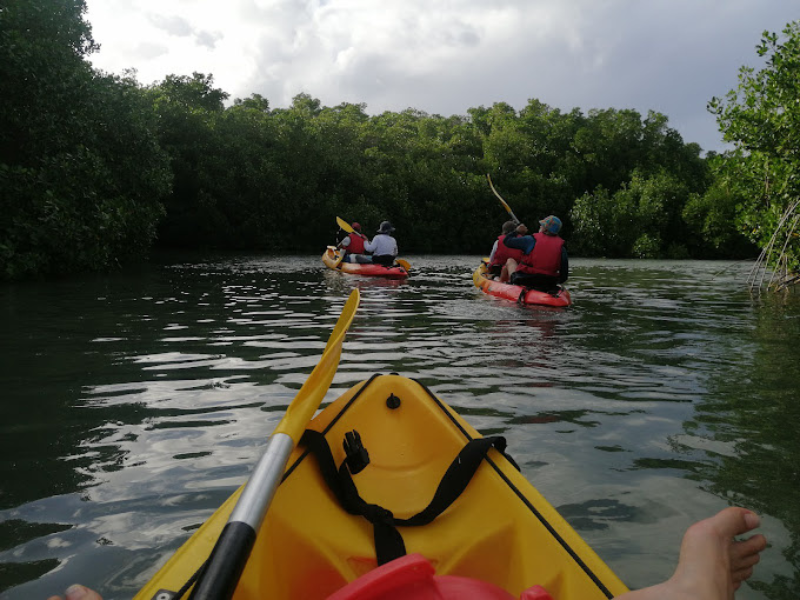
column 383, row 246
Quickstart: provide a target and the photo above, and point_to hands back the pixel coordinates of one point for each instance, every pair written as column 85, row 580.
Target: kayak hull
column 331, row 260
column 518, row 293
column 499, row 530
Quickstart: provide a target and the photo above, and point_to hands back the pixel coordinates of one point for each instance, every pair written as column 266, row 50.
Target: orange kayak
column 518, row 293
column 332, row 260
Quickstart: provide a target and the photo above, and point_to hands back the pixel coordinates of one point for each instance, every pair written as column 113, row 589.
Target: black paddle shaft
column 226, row 563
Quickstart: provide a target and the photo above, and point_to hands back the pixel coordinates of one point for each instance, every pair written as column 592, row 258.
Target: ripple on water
column 634, row 412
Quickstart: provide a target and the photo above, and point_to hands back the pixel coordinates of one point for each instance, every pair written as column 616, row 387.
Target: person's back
column 544, row 263
column 383, row 246
column 353, row 244
column 501, row 253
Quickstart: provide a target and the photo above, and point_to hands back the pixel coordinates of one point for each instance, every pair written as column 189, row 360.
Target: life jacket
column 503, row 253
column 545, row 258
column 356, row 243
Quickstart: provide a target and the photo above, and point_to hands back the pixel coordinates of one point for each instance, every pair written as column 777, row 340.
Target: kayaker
column 383, row 246
column 353, row 244
column 501, row 253
column 544, row 263
column 711, row 566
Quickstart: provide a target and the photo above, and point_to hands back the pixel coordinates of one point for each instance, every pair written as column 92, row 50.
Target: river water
column 133, row 404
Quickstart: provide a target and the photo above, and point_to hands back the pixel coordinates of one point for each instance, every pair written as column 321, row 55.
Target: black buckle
column 357, row 456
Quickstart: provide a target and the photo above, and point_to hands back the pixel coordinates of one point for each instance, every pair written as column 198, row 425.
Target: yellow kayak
column 498, row 530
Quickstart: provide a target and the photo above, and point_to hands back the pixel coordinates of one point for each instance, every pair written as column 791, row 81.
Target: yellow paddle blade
column 503, row 202
column 344, row 225
column 308, row 399
column 403, row 263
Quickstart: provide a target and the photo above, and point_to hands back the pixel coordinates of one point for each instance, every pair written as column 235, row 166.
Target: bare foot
column 78, row 592
column 712, row 564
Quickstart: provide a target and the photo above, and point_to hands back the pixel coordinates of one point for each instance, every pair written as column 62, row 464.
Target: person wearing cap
column 353, row 244
column 544, row 262
column 383, row 246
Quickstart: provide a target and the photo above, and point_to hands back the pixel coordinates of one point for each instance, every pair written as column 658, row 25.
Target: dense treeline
column 761, row 176
column 95, row 169
column 82, row 173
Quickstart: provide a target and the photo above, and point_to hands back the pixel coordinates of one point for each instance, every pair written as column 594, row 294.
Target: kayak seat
column 413, row 577
column 389, row 543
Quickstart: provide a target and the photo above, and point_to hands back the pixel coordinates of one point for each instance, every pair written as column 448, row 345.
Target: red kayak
column 518, row 293
column 332, row 259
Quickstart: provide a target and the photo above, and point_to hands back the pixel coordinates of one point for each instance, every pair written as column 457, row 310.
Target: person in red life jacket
column 353, row 244
column 501, row 253
column 544, row 263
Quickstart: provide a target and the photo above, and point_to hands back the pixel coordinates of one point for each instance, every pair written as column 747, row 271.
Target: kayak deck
column 518, row 293
column 331, row 259
column 499, row 530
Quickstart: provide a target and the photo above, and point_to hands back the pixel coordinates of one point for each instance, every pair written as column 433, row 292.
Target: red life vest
column 545, row 258
column 503, row 253
column 356, row 243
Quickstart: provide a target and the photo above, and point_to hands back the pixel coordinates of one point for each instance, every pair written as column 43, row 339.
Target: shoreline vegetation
column 97, row 169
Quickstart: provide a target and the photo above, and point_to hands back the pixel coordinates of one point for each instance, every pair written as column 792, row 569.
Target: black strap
column 388, row 541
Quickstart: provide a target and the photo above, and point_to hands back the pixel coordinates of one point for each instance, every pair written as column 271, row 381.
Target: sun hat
column 386, row 227
column 551, row 224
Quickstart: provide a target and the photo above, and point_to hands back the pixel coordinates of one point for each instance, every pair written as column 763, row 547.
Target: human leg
column 712, row 564
column 508, row 270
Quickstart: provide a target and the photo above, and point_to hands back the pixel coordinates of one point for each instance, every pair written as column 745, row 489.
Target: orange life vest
column 356, row 243
column 503, row 253
column 545, row 258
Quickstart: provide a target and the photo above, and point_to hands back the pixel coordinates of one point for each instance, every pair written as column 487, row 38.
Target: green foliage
column 96, row 168
column 80, row 169
column 761, row 118
column 712, row 218
column 643, row 219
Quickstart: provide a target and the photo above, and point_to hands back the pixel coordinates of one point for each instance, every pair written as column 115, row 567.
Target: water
column 134, row 404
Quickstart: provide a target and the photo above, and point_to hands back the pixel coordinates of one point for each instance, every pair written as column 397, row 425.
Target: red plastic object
column 412, row 577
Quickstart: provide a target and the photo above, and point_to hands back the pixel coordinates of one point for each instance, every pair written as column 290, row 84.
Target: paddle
column 229, row 556
column 503, row 202
column 346, row 226
column 348, row 229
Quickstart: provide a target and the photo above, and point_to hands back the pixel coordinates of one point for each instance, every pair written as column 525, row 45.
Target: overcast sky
column 445, row 56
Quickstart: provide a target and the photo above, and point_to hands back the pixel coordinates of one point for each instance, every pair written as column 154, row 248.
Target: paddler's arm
column 524, row 242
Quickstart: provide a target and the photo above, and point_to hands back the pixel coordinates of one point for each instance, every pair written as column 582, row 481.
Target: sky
column 446, row 56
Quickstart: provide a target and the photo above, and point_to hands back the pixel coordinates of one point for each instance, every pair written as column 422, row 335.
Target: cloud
column 180, row 27
column 150, row 51
column 207, row 39
column 173, row 25
column 671, row 56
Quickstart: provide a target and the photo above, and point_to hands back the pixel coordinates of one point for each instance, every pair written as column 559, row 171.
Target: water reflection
column 134, row 404
column 748, row 427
